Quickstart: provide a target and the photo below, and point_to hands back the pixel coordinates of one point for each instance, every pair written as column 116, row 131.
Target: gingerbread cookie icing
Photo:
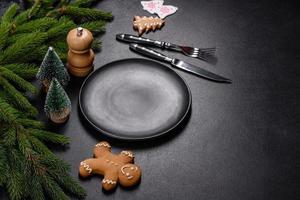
column 114, row 168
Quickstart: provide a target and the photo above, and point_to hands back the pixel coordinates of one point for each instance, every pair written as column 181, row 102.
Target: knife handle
column 150, row 53
column 146, row 41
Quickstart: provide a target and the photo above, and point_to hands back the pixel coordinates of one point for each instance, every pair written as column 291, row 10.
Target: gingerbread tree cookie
column 114, row 168
column 146, row 24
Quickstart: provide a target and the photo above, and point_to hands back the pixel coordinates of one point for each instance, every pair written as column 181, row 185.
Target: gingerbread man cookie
column 114, row 168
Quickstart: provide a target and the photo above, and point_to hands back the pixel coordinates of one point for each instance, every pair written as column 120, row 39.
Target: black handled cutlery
column 206, row 54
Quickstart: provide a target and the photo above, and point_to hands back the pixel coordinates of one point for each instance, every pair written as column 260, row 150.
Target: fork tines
column 206, row 54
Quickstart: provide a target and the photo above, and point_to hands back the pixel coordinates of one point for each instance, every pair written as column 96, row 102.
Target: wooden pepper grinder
column 80, row 55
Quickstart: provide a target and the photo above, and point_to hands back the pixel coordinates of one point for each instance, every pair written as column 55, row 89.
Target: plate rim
column 106, row 133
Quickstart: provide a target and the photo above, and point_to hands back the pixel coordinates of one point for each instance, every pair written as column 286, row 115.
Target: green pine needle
column 9, row 14
column 41, row 24
column 96, row 45
column 30, row 123
column 3, row 164
column 18, row 98
column 4, row 32
column 35, row 8
column 24, row 70
column 17, row 80
column 53, row 189
column 39, row 147
column 47, row 136
column 86, row 14
column 96, row 27
column 61, row 28
column 38, row 192
column 21, row 18
column 14, row 185
column 7, row 113
column 22, row 47
column 29, row 170
column 83, row 3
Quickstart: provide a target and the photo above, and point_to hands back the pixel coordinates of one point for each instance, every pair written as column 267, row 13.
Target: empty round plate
column 134, row 99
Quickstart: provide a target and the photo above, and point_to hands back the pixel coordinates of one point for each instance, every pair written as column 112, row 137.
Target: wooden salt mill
column 80, row 55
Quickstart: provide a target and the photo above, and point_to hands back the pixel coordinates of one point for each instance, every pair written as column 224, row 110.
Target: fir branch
column 20, row 82
column 15, row 176
column 3, row 165
column 11, row 102
column 4, row 32
column 31, row 164
column 60, row 46
column 61, row 28
column 39, row 147
column 24, row 70
column 26, row 122
column 54, row 163
column 38, row 192
column 35, row 8
column 47, row 136
column 53, row 189
column 23, row 143
column 22, row 47
column 86, row 14
column 41, row 24
column 96, row 45
column 9, row 139
column 9, row 14
column 14, row 185
column 69, row 184
column 34, row 56
column 96, row 27
column 7, row 113
column 18, row 98
column 21, row 18
column 83, row 3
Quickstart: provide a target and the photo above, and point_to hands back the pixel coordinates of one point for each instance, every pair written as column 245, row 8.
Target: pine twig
column 96, row 27
column 22, row 47
column 9, row 14
column 47, row 136
column 40, row 24
column 24, row 70
column 83, row 3
column 86, row 14
column 7, row 113
column 20, row 82
column 18, row 98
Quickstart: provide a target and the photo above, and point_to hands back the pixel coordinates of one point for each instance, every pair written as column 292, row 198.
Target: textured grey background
column 241, row 140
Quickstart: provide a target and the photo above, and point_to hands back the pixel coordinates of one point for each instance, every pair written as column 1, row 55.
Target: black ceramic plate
column 134, row 99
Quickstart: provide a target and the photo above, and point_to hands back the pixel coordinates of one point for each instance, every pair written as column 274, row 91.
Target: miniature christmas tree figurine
column 52, row 67
column 57, row 104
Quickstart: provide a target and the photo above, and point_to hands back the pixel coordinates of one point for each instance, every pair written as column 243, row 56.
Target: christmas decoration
column 57, row 104
column 116, row 168
column 157, row 7
column 145, row 24
column 80, row 55
column 52, row 67
column 29, row 170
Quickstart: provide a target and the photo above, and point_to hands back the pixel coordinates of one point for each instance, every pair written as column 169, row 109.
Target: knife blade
column 178, row 63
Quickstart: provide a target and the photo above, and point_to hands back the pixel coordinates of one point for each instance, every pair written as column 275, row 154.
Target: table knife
column 178, row 63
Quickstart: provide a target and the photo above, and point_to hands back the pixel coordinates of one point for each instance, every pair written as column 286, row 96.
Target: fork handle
column 146, row 41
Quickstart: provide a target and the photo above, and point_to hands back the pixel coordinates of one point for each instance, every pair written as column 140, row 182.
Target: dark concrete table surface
column 241, row 140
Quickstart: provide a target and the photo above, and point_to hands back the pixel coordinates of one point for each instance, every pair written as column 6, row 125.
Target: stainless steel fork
column 206, row 54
